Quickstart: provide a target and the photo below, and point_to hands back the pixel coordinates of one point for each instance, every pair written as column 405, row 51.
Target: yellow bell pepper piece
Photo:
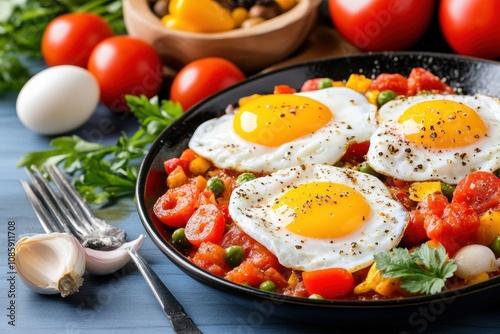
column 375, row 282
column 176, row 178
column 199, row 165
column 372, row 96
column 358, row 82
column 489, row 228
column 418, row 190
column 201, row 15
column 478, row 278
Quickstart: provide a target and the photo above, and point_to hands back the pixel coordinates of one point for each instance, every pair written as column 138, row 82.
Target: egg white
column 352, row 121
column 251, row 209
column 391, row 154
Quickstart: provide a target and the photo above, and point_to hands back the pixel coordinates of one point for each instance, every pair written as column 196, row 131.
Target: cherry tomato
column 328, row 283
column 70, row 38
column 203, row 78
column 206, row 224
column 480, row 190
column 471, row 26
column 380, row 25
column 176, row 206
column 125, row 65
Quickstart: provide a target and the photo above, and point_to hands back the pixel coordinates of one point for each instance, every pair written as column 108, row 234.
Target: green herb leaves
column 424, row 270
column 105, row 173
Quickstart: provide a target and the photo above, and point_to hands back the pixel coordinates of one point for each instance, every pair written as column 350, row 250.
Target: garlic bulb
column 50, row 263
column 106, row 262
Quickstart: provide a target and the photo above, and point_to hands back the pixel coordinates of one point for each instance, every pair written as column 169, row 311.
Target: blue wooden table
column 123, row 303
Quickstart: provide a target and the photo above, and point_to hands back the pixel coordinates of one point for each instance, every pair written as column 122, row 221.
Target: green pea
column 339, row 163
column 447, row 190
column 316, row 296
column 179, row 239
column 385, row 96
column 234, row 255
column 216, row 185
column 366, row 168
column 267, row 286
column 325, row 83
column 495, row 246
column 244, row 177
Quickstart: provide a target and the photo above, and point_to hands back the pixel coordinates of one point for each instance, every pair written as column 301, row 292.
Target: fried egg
column 436, row 137
column 319, row 216
column 277, row 131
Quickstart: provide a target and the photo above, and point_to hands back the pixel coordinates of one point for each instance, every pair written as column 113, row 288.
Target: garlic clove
column 473, row 260
column 50, row 263
column 100, row 262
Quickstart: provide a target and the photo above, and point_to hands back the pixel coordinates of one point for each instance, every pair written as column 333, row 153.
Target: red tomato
column 471, row 26
column 171, row 164
column 388, row 81
column 455, row 228
column 421, row 80
column 380, row 25
column 356, row 151
column 203, row 78
column 328, row 283
column 211, row 257
column 207, row 224
column 70, row 38
column 480, row 190
column 125, row 65
column 177, row 205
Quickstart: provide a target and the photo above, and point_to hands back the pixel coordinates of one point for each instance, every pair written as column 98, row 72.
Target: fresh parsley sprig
column 424, row 270
column 104, row 173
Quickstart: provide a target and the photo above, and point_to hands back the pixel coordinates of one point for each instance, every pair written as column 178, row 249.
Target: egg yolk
column 323, row 210
column 273, row 120
column 442, row 124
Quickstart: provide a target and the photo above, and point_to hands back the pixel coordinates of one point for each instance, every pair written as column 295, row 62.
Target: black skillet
column 466, row 75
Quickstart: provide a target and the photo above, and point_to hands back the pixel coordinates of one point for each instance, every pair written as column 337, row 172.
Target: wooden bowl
column 251, row 49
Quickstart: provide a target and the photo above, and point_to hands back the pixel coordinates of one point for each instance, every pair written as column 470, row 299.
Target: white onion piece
column 473, row 260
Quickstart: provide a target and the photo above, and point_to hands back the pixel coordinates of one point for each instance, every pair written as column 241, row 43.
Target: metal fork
column 62, row 209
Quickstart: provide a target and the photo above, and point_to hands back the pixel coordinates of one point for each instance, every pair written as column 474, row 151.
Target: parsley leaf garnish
column 104, row 173
column 424, row 270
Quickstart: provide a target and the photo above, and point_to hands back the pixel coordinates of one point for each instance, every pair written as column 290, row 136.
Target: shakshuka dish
column 358, row 189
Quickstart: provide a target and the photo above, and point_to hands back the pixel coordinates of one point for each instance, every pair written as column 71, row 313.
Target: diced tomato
column 211, row 257
column 207, row 224
column 274, row 275
column 247, row 273
column 356, row 151
column 171, row 164
column 421, row 80
column 389, row 81
column 188, row 155
column 256, row 253
column 456, row 227
column 176, row 206
column 329, row 283
column 481, row 190
column 433, row 204
column 415, row 232
column 206, row 197
column 284, row 89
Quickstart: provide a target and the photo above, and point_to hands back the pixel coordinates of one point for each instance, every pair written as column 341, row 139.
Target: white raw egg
column 58, row 99
column 319, row 216
column 436, row 137
column 277, row 131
